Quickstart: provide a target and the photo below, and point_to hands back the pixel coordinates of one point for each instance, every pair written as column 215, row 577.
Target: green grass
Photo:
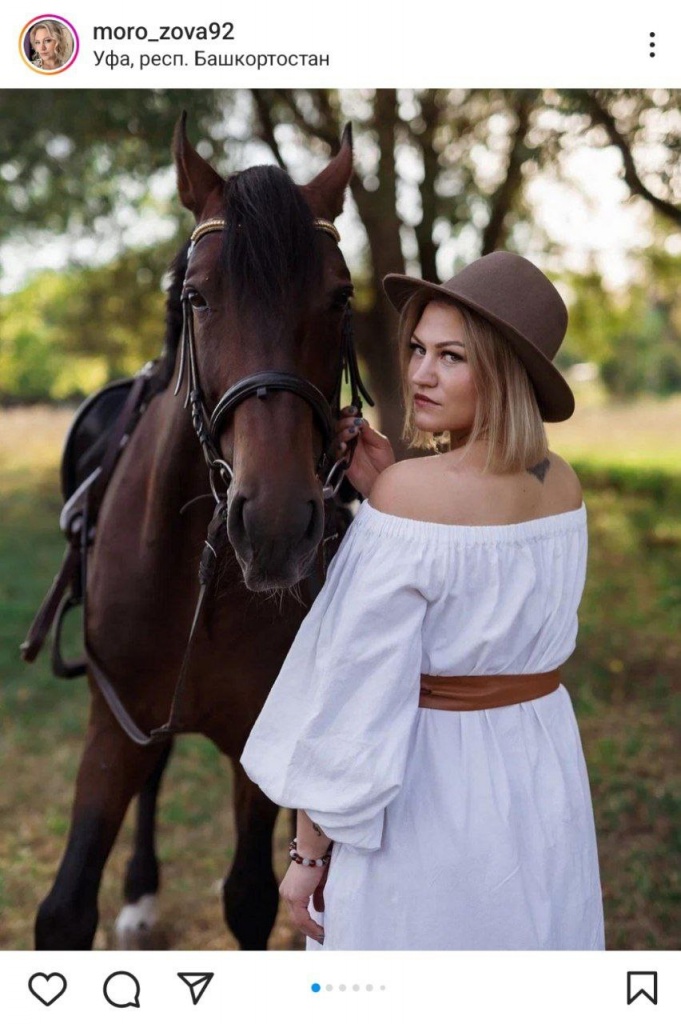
column 624, row 679
column 641, row 435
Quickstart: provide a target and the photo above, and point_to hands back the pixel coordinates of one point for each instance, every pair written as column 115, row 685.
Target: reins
column 208, row 427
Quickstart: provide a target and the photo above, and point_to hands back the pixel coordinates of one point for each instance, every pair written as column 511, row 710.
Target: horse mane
column 173, row 316
column 268, row 251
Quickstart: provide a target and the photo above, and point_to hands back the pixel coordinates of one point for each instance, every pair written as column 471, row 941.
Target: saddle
column 102, row 427
column 88, row 437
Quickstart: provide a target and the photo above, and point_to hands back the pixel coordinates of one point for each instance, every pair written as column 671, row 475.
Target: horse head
column 266, row 304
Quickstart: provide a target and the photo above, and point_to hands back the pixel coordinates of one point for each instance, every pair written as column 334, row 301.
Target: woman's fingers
column 347, row 429
column 301, row 918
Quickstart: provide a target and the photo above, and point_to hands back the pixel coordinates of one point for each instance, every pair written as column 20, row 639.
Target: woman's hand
column 300, row 882
column 373, row 452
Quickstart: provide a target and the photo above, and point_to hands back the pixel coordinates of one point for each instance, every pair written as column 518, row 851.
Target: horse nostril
column 236, row 520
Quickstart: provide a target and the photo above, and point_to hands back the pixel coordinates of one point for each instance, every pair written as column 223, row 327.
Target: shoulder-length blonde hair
column 64, row 41
column 506, row 413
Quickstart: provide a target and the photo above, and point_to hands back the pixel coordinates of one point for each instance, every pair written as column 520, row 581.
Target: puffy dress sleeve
column 333, row 736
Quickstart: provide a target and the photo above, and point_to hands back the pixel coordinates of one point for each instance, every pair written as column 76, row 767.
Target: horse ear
column 326, row 192
column 196, row 179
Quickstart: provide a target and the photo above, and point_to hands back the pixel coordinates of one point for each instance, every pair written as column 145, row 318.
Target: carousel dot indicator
column 329, row 988
column 341, row 988
column 316, row 987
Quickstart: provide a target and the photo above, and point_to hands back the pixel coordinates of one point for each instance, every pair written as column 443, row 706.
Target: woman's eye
column 454, row 357
column 414, row 347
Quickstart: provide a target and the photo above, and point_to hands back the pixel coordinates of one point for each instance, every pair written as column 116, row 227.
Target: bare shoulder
column 397, row 489
column 439, row 489
column 565, row 483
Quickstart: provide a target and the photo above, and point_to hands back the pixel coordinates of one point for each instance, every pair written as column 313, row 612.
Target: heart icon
column 47, row 987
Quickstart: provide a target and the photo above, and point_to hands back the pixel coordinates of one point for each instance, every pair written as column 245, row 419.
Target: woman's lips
column 422, row 400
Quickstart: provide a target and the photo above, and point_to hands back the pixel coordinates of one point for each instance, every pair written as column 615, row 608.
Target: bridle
column 209, row 425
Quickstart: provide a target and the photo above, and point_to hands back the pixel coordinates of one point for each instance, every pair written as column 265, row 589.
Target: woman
column 52, row 43
column 458, row 808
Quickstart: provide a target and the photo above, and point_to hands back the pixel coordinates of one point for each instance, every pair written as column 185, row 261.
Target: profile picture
column 49, row 44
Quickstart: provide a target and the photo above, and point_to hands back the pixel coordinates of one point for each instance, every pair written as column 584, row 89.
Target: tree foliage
column 442, row 177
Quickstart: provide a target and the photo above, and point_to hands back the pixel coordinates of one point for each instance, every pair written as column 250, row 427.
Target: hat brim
column 554, row 397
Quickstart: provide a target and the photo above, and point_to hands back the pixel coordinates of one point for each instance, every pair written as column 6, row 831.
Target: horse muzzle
column 274, row 541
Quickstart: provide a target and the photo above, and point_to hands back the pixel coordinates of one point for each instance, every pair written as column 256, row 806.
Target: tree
column 442, row 175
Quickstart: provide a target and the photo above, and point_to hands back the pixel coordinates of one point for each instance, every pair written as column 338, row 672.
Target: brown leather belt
column 476, row 693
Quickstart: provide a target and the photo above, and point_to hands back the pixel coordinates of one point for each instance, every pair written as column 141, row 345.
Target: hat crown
column 511, row 291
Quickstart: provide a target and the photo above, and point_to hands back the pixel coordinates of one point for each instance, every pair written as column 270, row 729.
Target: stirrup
column 61, row 667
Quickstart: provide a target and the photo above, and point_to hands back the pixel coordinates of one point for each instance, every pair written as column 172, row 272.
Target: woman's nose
column 424, row 372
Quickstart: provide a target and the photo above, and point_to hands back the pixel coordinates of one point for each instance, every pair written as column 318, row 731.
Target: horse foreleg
column 111, row 771
column 139, row 916
column 250, row 892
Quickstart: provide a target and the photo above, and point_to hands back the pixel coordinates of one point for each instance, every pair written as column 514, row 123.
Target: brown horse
column 264, row 288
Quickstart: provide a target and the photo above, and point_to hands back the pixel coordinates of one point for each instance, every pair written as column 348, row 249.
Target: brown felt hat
column 523, row 305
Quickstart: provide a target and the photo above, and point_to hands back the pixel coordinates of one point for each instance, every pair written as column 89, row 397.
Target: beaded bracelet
column 308, row 862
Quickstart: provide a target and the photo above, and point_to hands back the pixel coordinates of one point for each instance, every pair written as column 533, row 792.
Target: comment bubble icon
column 122, row 990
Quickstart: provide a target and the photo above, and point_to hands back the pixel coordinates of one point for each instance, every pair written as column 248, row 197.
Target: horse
column 257, row 329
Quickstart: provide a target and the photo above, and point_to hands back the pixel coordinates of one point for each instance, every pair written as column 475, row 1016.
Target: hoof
column 137, row 924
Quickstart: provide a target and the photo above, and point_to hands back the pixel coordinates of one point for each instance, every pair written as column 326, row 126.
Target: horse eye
column 197, row 300
column 341, row 298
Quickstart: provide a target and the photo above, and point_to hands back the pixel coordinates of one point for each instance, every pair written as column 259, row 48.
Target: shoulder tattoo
column 540, row 470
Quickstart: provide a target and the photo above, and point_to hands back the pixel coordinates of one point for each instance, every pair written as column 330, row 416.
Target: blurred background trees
column 442, row 177
column 588, row 185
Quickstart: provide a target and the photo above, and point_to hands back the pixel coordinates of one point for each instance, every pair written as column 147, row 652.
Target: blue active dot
column 316, row 987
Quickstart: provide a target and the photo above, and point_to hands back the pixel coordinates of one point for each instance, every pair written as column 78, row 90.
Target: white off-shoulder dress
column 452, row 830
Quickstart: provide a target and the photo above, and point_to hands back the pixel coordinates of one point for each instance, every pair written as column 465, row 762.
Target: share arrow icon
column 197, row 984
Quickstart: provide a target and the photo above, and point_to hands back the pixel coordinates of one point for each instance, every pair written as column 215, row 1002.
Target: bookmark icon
column 641, row 983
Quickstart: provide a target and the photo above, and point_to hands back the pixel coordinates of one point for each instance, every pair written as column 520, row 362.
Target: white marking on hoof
column 136, row 922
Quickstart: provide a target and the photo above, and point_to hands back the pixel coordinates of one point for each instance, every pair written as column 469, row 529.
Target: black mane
column 173, row 317
column 268, row 252
column 269, row 246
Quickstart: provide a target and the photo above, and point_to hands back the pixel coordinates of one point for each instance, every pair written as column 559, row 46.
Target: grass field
column 624, row 679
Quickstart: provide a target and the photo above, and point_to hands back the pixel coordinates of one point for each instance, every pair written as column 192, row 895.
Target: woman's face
column 439, row 375
column 45, row 43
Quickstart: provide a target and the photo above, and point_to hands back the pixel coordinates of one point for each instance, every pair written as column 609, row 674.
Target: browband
column 217, row 224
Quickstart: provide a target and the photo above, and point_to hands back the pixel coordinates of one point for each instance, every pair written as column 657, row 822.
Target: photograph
column 340, row 504
column 49, row 45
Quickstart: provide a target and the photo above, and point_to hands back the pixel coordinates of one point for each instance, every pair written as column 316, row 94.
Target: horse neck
column 175, row 473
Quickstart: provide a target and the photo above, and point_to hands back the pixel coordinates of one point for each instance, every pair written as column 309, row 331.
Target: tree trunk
column 377, row 328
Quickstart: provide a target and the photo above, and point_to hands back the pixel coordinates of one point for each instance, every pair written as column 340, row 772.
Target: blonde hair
column 64, row 40
column 506, row 414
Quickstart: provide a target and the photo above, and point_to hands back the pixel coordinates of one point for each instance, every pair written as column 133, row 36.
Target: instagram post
column 340, row 532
